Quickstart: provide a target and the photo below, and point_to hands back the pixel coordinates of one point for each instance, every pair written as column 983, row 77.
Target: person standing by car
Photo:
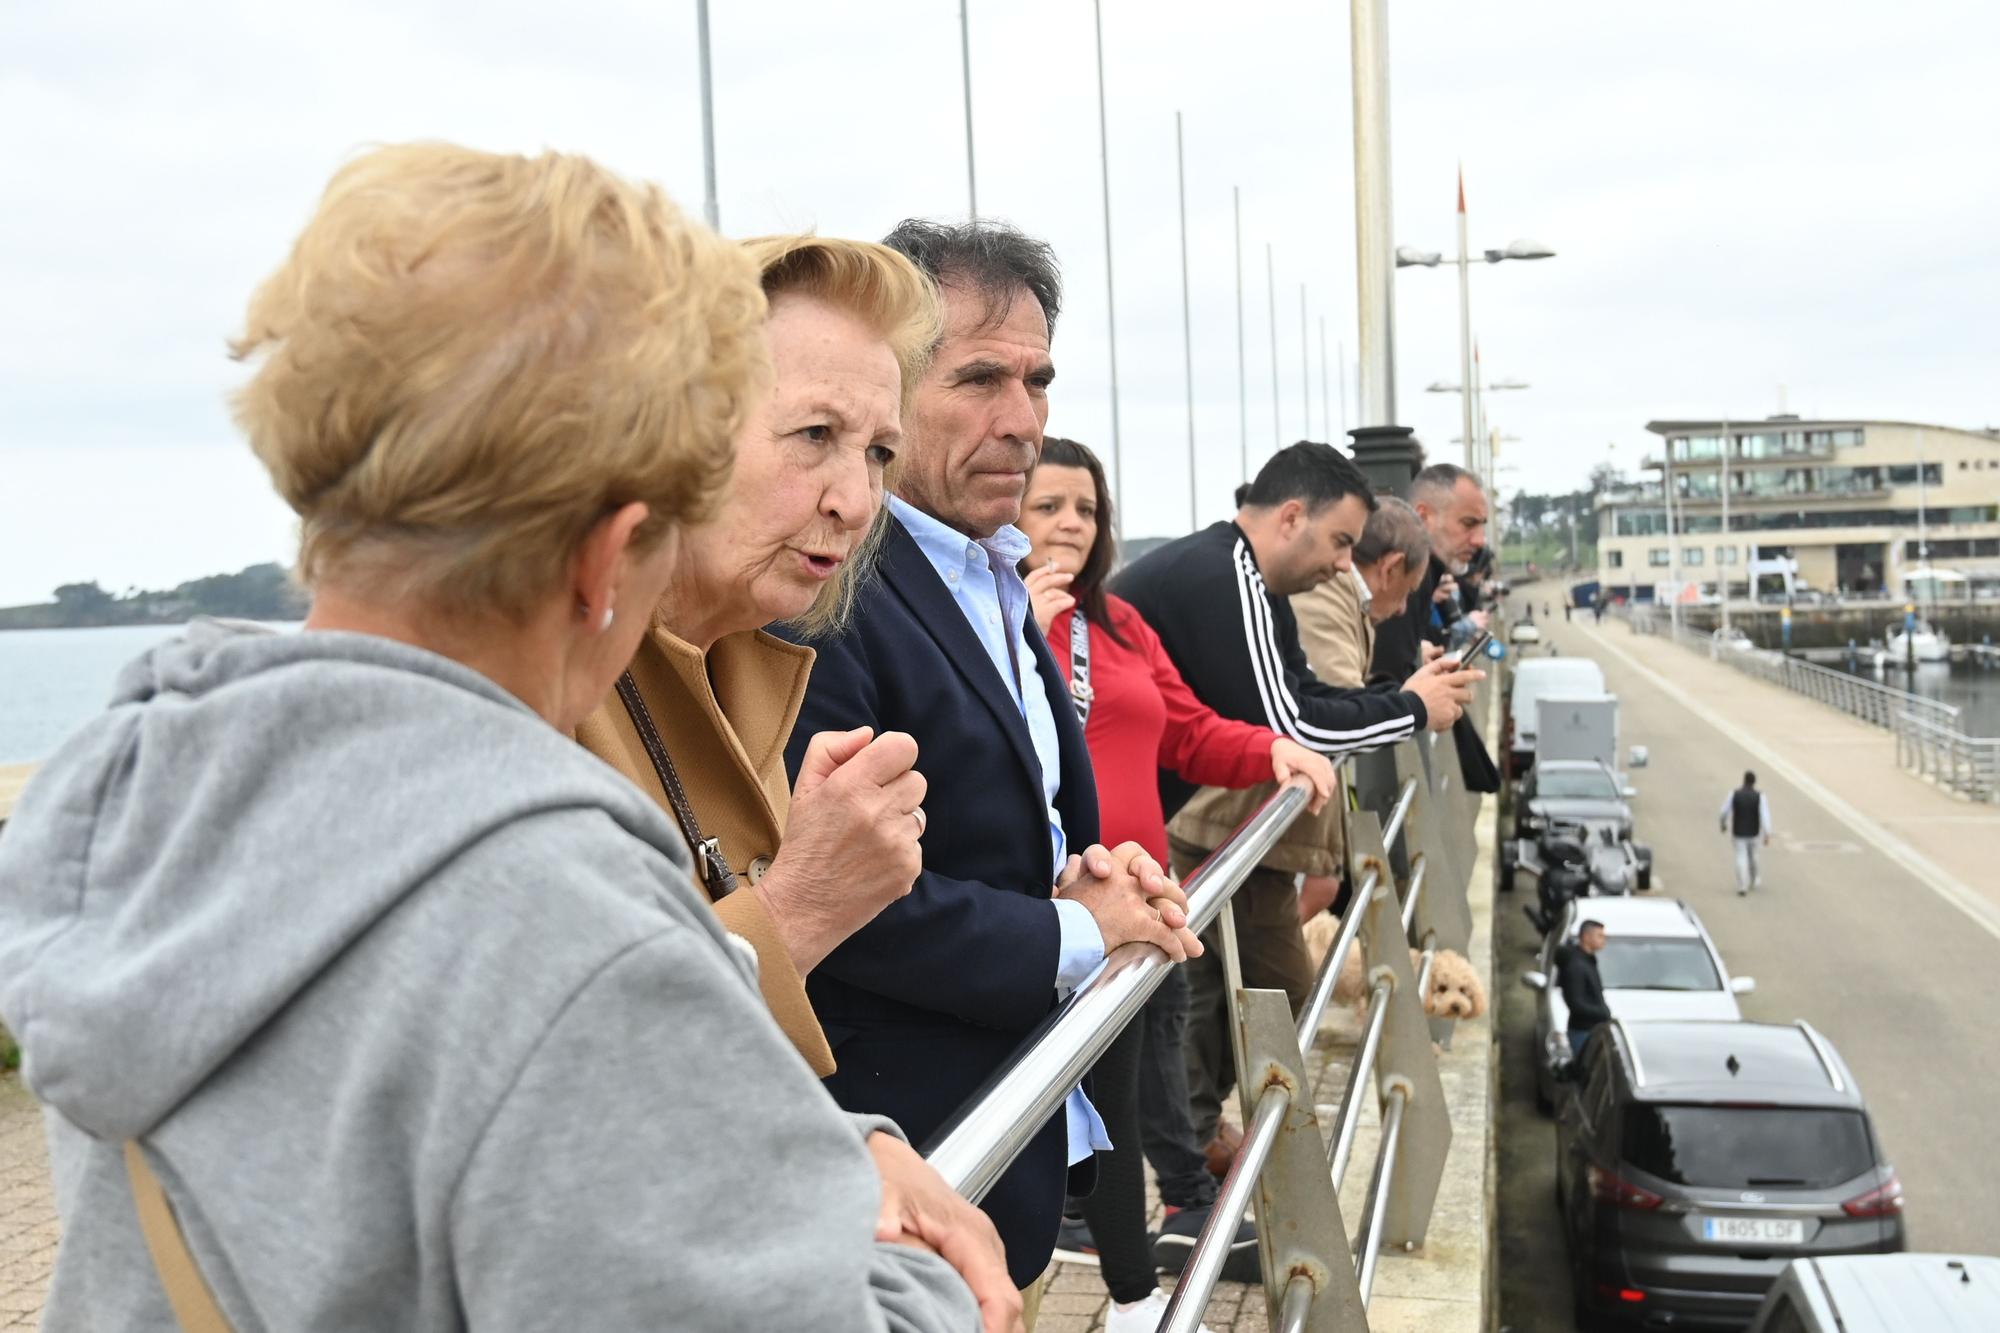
column 1746, row 817
column 1582, row 987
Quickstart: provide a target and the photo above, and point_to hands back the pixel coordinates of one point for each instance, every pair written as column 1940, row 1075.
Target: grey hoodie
column 419, row 1019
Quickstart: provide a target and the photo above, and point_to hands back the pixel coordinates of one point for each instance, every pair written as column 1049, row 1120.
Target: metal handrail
column 1211, row 1248
column 997, row 1122
column 1378, row 1188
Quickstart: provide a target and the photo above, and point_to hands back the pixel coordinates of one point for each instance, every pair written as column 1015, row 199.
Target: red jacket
column 1144, row 718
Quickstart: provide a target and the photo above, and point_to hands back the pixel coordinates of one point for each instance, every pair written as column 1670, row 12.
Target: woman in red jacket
column 1138, row 717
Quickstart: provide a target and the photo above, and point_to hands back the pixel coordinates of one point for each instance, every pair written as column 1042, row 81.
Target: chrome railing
column 1317, row 1273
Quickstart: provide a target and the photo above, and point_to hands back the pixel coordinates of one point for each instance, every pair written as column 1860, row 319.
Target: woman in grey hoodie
column 406, row 1000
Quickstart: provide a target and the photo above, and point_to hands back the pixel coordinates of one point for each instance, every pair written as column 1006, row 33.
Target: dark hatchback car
column 1696, row 1160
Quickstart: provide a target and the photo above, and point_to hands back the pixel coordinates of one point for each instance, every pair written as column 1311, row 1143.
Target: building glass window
column 1725, row 555
column 1659, row 557
column 1640, row 522
column 1691, row 556
column 1846, row 439
column 1905, row 474
column 1615, row 558
column 1697, row 448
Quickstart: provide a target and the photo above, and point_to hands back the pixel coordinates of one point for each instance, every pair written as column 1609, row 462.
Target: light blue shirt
column 983, row 579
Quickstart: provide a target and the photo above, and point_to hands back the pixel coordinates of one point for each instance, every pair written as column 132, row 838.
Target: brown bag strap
column 715, row 872
column 194, row 1307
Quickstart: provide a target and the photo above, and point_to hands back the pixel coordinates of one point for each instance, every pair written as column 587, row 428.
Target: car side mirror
column 1535, row 980
column 1742, row 985
column 1629, row 792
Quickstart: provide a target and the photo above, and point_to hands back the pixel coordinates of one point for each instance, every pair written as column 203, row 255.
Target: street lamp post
column 1408, row 257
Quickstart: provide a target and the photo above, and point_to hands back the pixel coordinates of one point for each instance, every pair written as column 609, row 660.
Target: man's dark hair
column 1313, row 473
column 986, row 257
column 1435, row 484
column 1589, row 925
column 1749, row 779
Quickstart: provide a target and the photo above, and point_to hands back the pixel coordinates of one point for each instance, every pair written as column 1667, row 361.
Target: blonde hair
column 891, row 295
column 469, row 360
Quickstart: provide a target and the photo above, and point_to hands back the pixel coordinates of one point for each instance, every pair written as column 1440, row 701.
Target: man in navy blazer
column 924, row 1003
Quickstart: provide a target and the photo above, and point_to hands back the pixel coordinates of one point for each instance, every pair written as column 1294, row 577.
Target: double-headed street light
column 1410, row 257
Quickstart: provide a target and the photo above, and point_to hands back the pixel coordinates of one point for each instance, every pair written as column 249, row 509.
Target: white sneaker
column 1142, row 1317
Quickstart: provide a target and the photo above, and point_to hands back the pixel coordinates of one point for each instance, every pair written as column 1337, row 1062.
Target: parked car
column 1658, row 963
column 1695, row 1160
column 1731, row 640
column 1560, row 677
column 1524, row 632
column 1884, row 1293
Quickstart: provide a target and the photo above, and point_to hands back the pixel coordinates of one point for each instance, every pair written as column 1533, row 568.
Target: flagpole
column 1305, row 365
column 1187, row 323
column 1242, row 364
column 710, row 208
column 1271, row 287
column 1325, row 398
column 1110, row 287
column 965, row 64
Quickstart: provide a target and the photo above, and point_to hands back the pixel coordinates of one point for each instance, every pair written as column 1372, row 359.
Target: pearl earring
column 604, row 625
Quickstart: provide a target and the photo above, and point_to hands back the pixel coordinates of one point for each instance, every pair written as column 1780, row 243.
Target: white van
column 1884, row 1293
column 1534, row 678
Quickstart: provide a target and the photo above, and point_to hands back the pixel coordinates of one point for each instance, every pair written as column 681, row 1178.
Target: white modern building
column 1859, row 506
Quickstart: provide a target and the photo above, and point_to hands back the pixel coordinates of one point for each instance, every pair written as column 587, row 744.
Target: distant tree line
column 1559, row 529
column 261, row 592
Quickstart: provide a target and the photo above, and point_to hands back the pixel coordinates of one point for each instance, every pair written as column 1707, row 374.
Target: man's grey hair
column 1435, row 484
column 986, row 257
column 1394, row 526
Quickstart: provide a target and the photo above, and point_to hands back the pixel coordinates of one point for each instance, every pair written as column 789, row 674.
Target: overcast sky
column 1752, row 203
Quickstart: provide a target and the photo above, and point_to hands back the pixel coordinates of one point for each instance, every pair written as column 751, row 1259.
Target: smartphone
column 1475, row 647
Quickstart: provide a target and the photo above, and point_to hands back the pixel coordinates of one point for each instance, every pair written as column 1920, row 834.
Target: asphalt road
column 1898, row 979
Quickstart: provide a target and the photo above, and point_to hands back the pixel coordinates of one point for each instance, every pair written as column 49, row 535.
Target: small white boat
column 1929, row 645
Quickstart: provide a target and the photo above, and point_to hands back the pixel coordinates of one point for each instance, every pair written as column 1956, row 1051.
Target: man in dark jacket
column 922, row 1005
column 1582, row 987
column 1452, row 504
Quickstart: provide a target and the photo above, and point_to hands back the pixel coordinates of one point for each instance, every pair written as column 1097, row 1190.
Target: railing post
column 1405, row 1061
column 1300, row 1232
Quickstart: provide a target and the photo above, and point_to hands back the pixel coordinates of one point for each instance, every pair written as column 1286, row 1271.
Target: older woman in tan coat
column 701, row 719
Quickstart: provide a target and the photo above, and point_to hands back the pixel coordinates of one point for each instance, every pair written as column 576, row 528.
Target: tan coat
column 1338, row 639
column 725, row 718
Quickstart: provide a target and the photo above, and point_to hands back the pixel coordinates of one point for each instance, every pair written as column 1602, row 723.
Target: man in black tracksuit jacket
column 1220, row 600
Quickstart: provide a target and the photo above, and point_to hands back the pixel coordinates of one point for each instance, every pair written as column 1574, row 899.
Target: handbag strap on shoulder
column 716, row 875
column 193, row 1304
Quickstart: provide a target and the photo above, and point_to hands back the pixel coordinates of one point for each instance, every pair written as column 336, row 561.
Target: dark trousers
column 1272, row 951
column 1139, row 1086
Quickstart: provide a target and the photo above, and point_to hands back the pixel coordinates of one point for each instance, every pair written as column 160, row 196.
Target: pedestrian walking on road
column 1746, row 817
column 1582, row 987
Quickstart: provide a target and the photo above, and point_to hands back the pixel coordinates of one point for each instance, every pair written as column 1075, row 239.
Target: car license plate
column 1753, row 1230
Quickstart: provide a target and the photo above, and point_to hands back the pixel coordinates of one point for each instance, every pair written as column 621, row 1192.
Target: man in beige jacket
column 1337, row 623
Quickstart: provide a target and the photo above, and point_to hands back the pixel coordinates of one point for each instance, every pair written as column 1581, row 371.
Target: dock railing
column 1318, row 1272
column 1930, row 739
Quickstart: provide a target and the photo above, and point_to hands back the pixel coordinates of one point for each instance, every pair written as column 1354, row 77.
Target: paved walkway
column 27, row 1209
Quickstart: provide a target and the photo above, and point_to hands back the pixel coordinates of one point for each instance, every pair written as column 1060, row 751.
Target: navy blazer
column 926, row 1001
